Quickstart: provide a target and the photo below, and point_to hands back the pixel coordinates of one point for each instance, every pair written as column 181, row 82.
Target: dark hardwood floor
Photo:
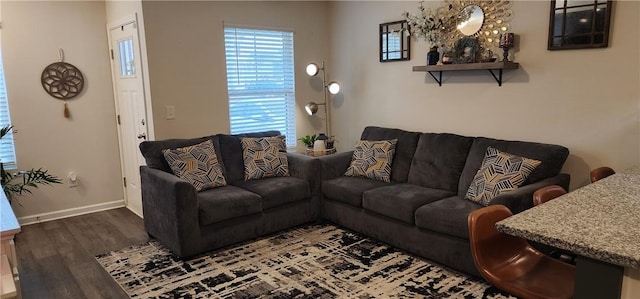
column 56, row 258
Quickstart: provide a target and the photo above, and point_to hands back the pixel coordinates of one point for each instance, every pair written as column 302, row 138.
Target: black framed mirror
column 394, row 41
column 575, row 24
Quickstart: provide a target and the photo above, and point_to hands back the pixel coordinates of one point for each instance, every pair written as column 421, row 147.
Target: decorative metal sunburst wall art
column 442, row 25
column 497, row 15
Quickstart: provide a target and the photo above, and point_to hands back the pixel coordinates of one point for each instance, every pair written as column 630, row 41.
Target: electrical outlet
column 171, row 112
column 72, row 179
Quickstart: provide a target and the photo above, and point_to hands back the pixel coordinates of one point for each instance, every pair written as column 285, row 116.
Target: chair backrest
column 547, row 193
column 601, row 173
column 489, row 247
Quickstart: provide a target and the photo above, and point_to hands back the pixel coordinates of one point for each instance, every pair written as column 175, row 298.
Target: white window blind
column 260, row 81
column 7, row 153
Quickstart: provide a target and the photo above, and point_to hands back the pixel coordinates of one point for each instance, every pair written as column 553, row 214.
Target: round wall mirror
column 473, row 24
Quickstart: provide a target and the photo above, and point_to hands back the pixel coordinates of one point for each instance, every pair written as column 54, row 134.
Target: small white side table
column 9, row 227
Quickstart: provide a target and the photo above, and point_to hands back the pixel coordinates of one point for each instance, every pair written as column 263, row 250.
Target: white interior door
column 130, row 106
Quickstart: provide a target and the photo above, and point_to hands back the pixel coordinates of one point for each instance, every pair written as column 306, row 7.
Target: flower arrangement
column 436, row 25
column 425, row 23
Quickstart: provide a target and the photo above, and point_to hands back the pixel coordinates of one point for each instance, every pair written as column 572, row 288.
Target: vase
column 433, row 56
column 319, row 146
column 320, row 143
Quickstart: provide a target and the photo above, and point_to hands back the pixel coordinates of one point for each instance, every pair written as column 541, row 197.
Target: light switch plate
column 171, row 112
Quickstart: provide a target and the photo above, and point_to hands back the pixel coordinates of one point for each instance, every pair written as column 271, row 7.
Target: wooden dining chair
column 511, row 264
column 547, row 193
column 601, row 173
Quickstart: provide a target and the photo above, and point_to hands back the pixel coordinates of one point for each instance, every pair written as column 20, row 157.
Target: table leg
column 597, row 279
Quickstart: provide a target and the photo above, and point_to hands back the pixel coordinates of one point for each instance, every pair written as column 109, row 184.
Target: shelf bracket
column 434, row 77
column 498, row 78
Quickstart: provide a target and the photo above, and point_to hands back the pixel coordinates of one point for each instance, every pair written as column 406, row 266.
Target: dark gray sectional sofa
column 190, row 222
column 423, row 210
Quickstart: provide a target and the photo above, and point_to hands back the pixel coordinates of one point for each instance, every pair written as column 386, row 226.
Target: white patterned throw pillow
column 373, row 159
column 264, row 157
column 499, row 172
column 197, row 164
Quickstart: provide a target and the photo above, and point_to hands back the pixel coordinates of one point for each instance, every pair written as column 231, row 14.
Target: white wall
column 185, row 43
column 86, row 143
column 586, row 100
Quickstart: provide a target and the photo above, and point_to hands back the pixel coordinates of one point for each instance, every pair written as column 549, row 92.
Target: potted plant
column 20, row 182
column 308, row 140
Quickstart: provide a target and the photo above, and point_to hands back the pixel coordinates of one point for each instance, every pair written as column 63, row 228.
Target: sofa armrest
column 170, row 208
column 306, row 168
column 302, row 166
column 522, row 198
column 333, row 166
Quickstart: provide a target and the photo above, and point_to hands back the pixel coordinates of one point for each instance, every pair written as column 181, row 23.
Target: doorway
column 129, row 94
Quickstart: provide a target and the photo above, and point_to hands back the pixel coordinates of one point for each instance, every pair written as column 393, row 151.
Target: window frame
column 260, row 74
column 7, row 146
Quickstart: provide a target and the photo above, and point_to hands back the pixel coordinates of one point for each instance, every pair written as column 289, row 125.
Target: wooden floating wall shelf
column 492, row 67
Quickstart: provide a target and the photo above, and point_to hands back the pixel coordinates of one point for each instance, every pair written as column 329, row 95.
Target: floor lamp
column 333, row 88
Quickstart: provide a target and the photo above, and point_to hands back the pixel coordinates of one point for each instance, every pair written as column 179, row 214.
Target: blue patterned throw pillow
column 264, row 157
column 372, row 159
column 500, row 172
column 197, row 164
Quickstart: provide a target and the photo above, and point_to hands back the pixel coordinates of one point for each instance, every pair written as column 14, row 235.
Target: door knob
column 142, row 136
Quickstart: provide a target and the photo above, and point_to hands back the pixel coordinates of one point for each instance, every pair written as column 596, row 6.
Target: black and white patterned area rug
column 318, row 261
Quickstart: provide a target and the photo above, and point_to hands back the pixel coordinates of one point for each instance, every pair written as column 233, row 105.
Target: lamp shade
column 333, row 87
column 311, row 108
column 312, row 69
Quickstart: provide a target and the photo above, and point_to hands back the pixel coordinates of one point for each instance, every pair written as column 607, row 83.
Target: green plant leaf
column 13, row 186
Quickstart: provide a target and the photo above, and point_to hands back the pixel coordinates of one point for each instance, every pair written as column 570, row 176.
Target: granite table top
column 599, row 221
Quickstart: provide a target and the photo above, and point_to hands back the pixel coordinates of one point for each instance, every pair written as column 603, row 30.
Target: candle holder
column 506, row 43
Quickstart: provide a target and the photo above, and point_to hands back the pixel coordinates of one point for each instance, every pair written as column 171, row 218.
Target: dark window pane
column 601, row 13
column 557, row 23
column 579, row 21
column 578, row 2
column 577, row 39
column 557, row 41
column 598, row 38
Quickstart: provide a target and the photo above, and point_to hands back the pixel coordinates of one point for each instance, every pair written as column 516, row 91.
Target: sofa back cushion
column 152, row 150
column 439, row 161
column 405, row 148
column 231, row 150
column 552, row 158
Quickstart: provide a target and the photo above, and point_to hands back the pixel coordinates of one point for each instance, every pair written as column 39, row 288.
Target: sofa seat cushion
column 401, row 201
column 227, row 202
column 349, row 189
column 447, row 216
column 277, row 191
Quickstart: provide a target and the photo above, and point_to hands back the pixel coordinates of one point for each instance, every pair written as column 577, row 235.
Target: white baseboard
column 44, row 217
